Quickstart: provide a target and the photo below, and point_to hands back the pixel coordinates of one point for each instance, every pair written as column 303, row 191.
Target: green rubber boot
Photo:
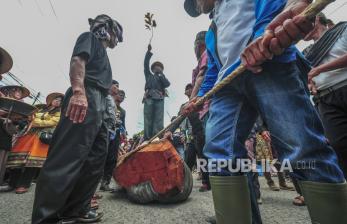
column 326, row 203
column 231, row 199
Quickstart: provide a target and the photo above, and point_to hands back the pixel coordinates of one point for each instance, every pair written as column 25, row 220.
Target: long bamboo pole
column 310, row 13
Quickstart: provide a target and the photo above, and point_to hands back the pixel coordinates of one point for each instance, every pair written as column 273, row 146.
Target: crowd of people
column 288, row 105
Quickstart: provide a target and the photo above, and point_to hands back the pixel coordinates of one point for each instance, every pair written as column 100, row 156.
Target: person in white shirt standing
column 328, row 82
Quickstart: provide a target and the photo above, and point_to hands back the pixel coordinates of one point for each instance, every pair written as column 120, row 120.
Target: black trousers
column 74, row 165
column 280, row 176
column 296, row 186
column 256, row 184
column 194, row 151
column 22, row 177
column 111, row 159
column 333, row 111
column 190, row 155
column 198, row 144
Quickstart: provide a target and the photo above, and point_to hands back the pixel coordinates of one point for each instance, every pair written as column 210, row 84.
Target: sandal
column 21, row 190
column 286, row 187
column 68, row 221
column 91, row 217
column 299, row 201
column 94, row 205
column 97, row 196
column 273, row 187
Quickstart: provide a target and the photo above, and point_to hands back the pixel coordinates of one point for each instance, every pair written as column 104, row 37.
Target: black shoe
column 91, row 217
column 106, row 187
column 260, row 201
column 211, row 220
column 6, row 189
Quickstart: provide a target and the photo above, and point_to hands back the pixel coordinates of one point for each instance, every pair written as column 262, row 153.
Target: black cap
column 190, row 7
column 157, row 63
column 102, row 20
column 323, row 19
column 121, row 92
column 114, row 82
column 201, row 36
column 189, row 86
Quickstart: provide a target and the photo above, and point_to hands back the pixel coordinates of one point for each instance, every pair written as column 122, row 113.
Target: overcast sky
column 41, row 40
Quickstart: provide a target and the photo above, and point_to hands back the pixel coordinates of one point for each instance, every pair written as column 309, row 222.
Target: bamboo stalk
column 310, row 13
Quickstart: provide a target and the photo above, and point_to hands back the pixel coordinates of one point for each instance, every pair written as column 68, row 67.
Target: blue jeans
column 279, row 96
column 180, row 150
column 153, row 114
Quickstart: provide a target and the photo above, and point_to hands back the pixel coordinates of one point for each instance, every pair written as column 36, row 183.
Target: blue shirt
column 235, row 24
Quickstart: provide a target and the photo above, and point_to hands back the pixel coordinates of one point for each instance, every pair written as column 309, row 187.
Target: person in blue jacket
column 259, row 34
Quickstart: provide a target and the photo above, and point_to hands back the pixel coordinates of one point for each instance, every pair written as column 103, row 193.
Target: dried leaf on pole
column 150, row 24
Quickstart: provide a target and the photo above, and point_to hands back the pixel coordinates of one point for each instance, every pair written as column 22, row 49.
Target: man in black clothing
column 115, row 141
column 112, row 150
column 156, row 83
column 196, row 141
column 78, row 150
column 120, row 120
column 121, row 113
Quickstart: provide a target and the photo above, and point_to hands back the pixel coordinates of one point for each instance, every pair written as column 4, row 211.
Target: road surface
column 276, row 208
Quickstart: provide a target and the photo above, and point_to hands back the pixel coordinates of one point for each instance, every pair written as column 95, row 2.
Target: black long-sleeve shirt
column 155, row 83
column 5, row 138
column 120, row 119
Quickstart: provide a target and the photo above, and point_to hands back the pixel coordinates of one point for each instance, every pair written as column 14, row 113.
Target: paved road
column 277, row 208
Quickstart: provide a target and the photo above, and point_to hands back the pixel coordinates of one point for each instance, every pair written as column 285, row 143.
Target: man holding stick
column 234, row 39
column 198, row 119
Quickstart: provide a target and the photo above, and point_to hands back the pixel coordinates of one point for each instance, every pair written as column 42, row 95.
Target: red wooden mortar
column 158, row 163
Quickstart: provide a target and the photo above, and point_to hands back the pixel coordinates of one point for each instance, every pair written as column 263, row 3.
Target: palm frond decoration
column 150, row 24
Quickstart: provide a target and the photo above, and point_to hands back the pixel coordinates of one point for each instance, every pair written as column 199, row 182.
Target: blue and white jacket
column 235, row 24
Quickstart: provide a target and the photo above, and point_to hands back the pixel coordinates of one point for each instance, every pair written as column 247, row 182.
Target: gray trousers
column 74, row 165
column 153, row 117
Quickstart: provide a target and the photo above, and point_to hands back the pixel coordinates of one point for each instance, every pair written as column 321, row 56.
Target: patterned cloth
column 102, row 24
column 263, row 149
column 102, row 34
column 202, row 65
column 29, row 151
